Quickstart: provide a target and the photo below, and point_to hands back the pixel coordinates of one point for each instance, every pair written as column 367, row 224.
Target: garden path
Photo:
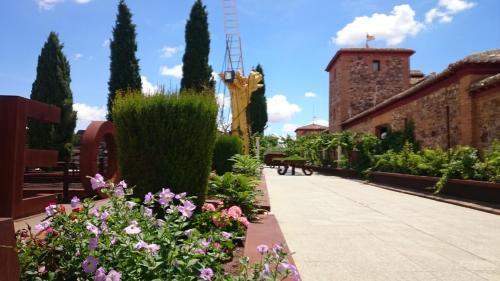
column 347, row 230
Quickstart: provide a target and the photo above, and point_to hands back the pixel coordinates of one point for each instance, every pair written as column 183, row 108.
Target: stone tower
column 361, row 78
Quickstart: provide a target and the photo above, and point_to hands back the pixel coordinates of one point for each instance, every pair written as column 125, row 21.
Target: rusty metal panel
column 9, row 269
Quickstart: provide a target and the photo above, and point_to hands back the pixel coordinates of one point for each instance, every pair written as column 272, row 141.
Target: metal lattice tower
column 234, row 54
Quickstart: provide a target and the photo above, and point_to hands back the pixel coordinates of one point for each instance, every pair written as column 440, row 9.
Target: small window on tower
column 376, row 65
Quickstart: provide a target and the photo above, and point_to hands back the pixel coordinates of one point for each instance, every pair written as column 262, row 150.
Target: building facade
column 311, row 129
column 374, row 91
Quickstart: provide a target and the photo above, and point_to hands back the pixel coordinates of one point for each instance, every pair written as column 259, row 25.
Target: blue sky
column 293, row 40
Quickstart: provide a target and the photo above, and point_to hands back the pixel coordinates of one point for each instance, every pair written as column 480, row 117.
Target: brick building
column 373, row 90
column 311, row 129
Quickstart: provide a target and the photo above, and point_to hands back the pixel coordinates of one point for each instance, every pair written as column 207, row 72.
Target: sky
column 292, row 39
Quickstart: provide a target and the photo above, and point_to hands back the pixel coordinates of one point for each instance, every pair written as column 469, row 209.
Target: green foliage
column 491, row 165
column 395, row 140
column 367, row 147
column 236, row 189
column 257, row 109
column 52, row 86
column 124, row 66
column 246, row 165
column 197, row 73
column 166, row 141
column 226, row 146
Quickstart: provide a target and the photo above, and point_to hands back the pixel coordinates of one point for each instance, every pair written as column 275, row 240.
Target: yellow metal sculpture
column 241, row 89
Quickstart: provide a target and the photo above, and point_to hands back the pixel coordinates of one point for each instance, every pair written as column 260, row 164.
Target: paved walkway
column 346, row 230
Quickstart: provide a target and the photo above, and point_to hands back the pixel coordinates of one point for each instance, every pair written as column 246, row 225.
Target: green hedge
column 166, row 141
column 226, row 146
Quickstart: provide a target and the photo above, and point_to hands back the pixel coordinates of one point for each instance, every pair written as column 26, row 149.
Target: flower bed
column 159, row 238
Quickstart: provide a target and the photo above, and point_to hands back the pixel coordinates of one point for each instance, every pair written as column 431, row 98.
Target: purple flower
column 122, row 184
column 114, row 275
column 206, row 273
column 153, row 248
column 166, row 196
column 149, row 198
column 90, row 264
column 205, row 243
column 74, row 202
column 77, row 253
column 187, row 209
column 277, row 248
column 160, row 222
column 180, row 195
column 132, row 229
column 42, row 226
column 93, row 243
column 97, row 182
column 104, row 227
column 266, row 271
column 226, row 235
column 94, row 212
column 113, row 240
column 105, row 216
column 92, row 228
column 140, row 245
column 189, row 232
column 262, row 249
column 148, row 212
column 130, row 205
column 119, row 192
column 51, row 210
column 100, row 274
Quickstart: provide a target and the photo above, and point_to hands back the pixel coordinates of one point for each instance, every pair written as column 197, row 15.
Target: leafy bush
column 226, row 146
column 123, row 240
column 234, row 189
column 246, row 165
column 166, row 140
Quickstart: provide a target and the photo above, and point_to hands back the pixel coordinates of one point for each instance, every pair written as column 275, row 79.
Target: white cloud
column 279, row 109
column 78, row 56
column 47, row 4
column 310, row 95
column 455, row 6
column 223, row 101
column 447, row 8
column 147, row 87
column 175, row 71
column 168, row 52
column 321, row 122
column 289, row 128
column 87, row 113
column 106, row 43
column 82, row 1
column 392, row 28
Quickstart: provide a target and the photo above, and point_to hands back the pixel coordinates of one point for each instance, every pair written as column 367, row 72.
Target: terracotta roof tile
column 485, row 83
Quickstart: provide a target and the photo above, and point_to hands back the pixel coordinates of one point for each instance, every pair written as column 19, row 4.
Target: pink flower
column 244, row 221
column 93, row 243
column 42, row 226
column 130, row 205
column 234, row 212
column 148, row 212
column 97, row 182
column 140, row 245
column 226, row 235
column 153, row 248
column 206, row 274
column 100, row 274
column 208, row 207
column 114, row 275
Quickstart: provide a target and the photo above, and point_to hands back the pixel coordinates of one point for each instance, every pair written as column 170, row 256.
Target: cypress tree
column 124, row 65
column 197, row 73
column 257, row 109
column 52, row 86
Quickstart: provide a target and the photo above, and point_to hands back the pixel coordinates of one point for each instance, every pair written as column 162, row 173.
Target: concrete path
column 346, row 230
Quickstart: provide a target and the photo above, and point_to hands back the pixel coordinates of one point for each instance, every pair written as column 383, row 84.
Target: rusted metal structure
column 15, row 157
column 15, row 202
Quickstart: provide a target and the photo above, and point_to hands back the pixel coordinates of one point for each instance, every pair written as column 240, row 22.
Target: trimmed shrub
column 166, row 141
column 226, row 146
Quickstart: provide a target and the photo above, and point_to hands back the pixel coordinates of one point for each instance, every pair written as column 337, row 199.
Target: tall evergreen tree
column 257, row 109
column 52, row 86
column 197, row 73
column 124, row 65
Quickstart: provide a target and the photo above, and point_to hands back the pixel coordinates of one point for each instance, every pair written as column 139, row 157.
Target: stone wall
column 486, row 117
